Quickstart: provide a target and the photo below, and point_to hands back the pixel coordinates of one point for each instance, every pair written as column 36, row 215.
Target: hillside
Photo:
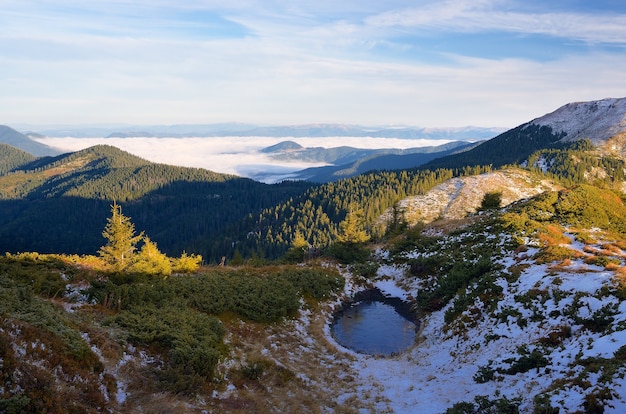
column 11, row 137
column 11, row 157
column 539, row 327
column 601, row 122
column 183, row 209
column 462, row 196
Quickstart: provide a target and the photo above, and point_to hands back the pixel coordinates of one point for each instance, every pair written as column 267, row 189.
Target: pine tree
column 491, row 200
column 351, row 229
column 121, row 240
column 298, row 249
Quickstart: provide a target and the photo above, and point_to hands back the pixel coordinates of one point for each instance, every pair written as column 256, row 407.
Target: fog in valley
column 231, row 155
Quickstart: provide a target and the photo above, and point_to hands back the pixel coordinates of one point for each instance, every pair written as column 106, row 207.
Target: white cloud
column 291, row 62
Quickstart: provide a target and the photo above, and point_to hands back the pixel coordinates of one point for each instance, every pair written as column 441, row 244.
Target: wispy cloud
column 486, row 16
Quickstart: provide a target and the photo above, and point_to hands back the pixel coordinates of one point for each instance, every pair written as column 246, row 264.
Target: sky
column 428, row 63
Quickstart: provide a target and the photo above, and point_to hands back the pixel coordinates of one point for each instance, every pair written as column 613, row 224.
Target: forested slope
column 317, row 213
column 60, row 204
column 11, row 157
column 511, row 147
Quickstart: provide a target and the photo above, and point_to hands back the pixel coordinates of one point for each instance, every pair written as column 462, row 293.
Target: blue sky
column 494, row 63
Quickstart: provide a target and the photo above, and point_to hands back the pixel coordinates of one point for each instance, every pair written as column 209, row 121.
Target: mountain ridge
column 16, row 139
column 597, row 121
column 284, row 131
column 602, row 122
column 380, row 160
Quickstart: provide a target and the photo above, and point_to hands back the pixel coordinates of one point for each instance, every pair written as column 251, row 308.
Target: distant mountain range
column 285, row 131
column 349, row 161
column 343, row 161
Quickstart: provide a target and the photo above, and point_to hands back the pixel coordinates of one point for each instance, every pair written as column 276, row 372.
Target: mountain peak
column 282, row 146
column 596, row 120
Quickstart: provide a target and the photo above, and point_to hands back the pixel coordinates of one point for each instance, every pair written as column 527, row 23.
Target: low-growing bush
column 254, row 294
column 459, row 276
column 484, row 374
column 482, row 405
column 192, row 341
column 526, row 362
column 348, row 253
column 604, row 261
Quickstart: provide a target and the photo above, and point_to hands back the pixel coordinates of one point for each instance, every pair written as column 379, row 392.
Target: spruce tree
column 121, row 240
column 351, row 229
column 491, row 200
column 298, row 249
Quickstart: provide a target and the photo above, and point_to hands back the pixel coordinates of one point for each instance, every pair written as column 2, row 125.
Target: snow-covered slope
column 542, row 329
column 596, row 120
column 541, row 343
column 460, row 196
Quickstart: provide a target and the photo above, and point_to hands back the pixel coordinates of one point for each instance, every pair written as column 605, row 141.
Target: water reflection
column 375, row 328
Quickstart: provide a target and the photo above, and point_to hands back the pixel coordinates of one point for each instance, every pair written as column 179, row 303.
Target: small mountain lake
column 376, row 325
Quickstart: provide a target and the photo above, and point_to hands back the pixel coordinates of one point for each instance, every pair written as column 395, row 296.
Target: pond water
column 373, row 327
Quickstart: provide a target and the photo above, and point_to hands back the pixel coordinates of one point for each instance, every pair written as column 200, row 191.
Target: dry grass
column 553, row 235
column 298, row 370
column 620, row 274
column 301, row 370
column 447, row 226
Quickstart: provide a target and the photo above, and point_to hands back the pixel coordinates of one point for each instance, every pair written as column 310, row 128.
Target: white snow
column 439, row 370
column 596, row 120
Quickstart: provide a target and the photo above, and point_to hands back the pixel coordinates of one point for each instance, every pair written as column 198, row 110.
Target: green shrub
column 458, row 277
column 483, row 405
column 192, row 340
column 348, row 253
column 491, row 200
column 526, row 362
column 366, row 270
column 16, row 404
column 254, row 294
column 254, row 370
column 484, row 374
column 543, row 405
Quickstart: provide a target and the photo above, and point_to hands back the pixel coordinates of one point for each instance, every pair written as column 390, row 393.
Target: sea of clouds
column 241, row 156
